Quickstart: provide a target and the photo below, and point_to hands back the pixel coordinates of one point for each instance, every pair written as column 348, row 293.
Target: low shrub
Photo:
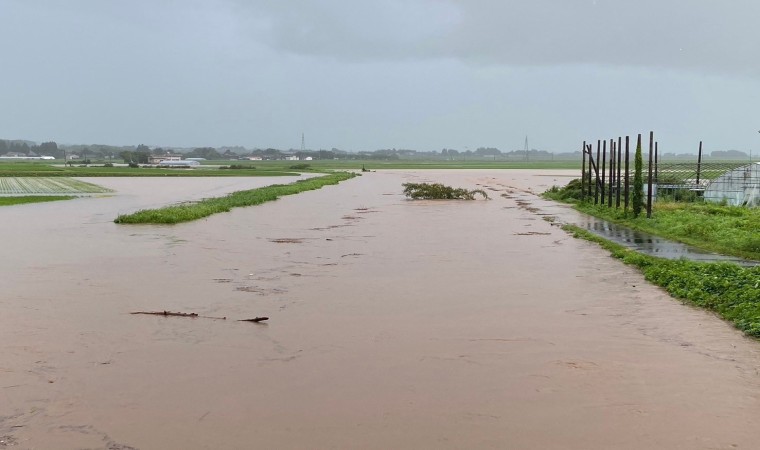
column 437, row 191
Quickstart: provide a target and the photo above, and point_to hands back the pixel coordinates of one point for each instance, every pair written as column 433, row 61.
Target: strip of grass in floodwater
column 197, row 210
column 728, row 289
column 10, row 201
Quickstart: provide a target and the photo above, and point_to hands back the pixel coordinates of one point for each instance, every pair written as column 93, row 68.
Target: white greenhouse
column 738, row 187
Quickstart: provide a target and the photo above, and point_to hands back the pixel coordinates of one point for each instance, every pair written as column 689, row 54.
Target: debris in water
column 255, row 319
column 176, row 314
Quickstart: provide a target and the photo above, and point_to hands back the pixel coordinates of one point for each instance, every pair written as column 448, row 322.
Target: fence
column 607, row 176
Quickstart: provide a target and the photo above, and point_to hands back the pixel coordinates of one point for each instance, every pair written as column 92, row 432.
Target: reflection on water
column 652, row 245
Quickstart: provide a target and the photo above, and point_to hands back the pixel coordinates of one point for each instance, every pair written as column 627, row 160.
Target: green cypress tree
column 638, row 181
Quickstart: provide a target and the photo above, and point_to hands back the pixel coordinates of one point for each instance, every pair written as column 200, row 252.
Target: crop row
column 47, row 185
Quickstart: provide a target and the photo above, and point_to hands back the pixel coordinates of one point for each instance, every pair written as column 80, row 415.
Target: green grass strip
column 197, row 210
column 730, row 290
column 10, row 201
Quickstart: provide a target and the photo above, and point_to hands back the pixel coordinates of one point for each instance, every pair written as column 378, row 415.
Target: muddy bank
column 393, row 324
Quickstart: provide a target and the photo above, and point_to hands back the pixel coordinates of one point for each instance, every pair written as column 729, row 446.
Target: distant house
column 290, row 158
column 254, row 158
column 157, row 159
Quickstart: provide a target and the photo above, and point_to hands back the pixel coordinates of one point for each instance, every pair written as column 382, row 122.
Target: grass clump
column 10, row 201
column 197, row 210
column 437, row 191
column 728, row 289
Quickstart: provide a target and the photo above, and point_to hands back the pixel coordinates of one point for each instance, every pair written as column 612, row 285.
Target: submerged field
column 455, row 324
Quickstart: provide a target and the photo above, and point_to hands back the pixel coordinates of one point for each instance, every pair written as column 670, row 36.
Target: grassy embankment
column 729, row 230
column 728, row 289
column 197, row 210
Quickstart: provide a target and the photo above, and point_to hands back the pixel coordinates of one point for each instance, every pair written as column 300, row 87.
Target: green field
column 38, row 169
column 264, row 168
column 10, row 201
column 47, row 185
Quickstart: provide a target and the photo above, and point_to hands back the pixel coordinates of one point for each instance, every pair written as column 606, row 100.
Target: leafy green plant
column 437, row 191
column 570, row 193
column 638, row 181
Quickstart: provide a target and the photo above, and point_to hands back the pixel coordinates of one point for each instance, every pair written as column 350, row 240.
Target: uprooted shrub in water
column 437, row 191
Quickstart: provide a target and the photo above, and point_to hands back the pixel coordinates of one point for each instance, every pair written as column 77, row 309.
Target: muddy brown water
column 393, row 324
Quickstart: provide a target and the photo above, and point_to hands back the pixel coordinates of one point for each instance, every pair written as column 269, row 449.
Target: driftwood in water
column 255, row 319
column 176, row 314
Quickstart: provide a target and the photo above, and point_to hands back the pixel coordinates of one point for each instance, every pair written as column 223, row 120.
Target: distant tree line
column 141, row 153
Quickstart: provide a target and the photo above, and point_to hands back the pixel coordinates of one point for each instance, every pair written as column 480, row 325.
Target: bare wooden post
column 604, row 161
column 612, row 172
column 656, row 171
column 583, row 173
column 627, row 173
column 619, row 155
column 596, row 171
column 649, row 178
column 590, row 167
column 699, row 162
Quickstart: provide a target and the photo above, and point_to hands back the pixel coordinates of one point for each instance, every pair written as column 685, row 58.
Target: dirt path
column 393, row 324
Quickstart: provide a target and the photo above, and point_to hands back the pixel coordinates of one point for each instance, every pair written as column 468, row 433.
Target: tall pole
column 649, row 178
column 656, row 172
column 589, row 148
column 612, row 173
column 583, row 173
column 619, row 158
column 596, row 172
column 604, row 159
column 699, row 162
column 627, row 173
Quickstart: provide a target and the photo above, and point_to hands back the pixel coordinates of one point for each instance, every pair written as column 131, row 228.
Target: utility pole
column 526, row 148
column 303, row 143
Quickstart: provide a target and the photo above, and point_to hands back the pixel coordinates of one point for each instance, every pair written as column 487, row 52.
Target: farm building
column 737, row 187
column 183, row 163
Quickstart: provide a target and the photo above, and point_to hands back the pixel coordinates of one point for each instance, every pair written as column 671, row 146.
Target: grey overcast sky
column 364, row 75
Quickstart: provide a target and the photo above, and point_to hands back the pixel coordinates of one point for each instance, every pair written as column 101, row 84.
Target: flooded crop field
column 392, row 324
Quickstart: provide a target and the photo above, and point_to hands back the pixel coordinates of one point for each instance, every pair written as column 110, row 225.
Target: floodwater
column 393, row 324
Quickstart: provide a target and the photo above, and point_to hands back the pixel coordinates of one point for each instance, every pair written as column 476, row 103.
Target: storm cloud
column 362, row 75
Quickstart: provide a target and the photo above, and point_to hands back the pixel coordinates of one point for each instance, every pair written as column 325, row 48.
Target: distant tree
column 638, row 181
column 487, row 151
column 204, row 152
column 143, row 148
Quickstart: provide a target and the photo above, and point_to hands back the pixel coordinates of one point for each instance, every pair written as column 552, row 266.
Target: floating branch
column 437, row 191
column 176, row 314
column 255, row 319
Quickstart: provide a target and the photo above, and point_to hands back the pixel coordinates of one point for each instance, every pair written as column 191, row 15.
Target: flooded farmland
column 393, row 324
